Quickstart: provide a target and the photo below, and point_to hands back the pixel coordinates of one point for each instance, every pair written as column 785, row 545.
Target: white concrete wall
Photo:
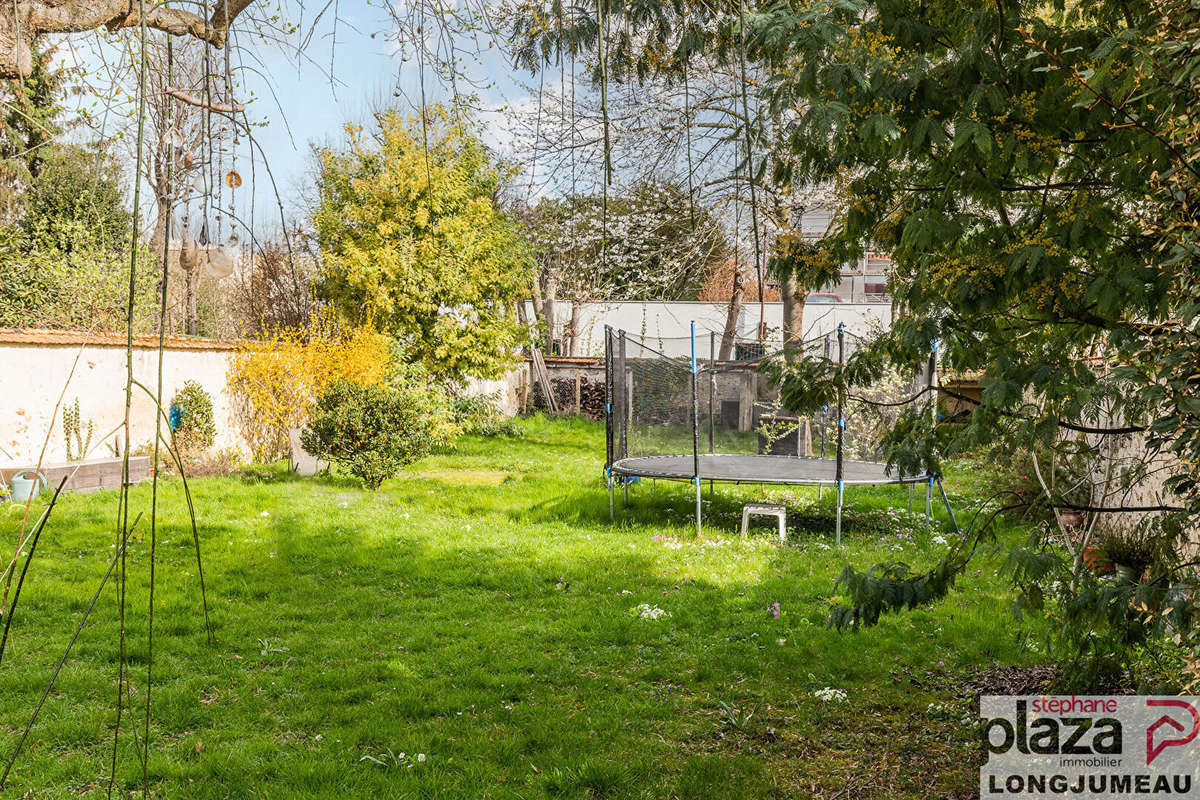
column 34, row 368
column 669, row 321
column 506, row 389
column 32, row 377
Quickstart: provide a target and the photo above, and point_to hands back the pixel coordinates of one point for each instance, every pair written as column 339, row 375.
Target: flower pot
column 1095, row 559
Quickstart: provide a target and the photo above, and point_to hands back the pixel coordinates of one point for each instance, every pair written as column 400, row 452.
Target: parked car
column 822, row 297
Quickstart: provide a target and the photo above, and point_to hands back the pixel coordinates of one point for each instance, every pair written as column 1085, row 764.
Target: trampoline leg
column 612, row 502
column 839, row 514
column 625, row 486
column 819, row 487
column 911, row 490
column 946, row 500
column 929, row 499
column 697, row 508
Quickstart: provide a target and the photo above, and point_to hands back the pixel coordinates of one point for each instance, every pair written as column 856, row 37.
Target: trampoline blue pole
column 841, row 430
column 695, row 430
column 840, row 488
column 933, row 419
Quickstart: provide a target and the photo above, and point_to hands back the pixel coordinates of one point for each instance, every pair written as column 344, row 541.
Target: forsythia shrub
column 275, row 381
column 373, row 431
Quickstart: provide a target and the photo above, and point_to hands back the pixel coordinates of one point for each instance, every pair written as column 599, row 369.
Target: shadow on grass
column 496, row 631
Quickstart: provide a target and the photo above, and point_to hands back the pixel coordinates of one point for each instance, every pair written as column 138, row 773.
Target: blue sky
column 349, row 66
column 343, row 74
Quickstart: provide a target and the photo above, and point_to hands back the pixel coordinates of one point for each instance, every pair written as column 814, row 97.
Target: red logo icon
column 1152, row 749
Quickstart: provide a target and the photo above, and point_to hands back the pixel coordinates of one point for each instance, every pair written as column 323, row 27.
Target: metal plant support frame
column 702, row 464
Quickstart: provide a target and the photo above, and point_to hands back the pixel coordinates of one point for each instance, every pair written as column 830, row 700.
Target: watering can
column 24, row 487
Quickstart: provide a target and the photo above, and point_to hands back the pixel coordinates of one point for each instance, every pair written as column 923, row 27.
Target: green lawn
column 479, row 610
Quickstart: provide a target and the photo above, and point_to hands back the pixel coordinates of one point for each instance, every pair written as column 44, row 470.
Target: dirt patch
column 1008, row 680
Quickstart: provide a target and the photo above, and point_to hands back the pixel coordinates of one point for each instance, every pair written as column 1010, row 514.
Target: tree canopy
column 979, row 154
column 1031, row 167
column 413, row 242
column 646, row 244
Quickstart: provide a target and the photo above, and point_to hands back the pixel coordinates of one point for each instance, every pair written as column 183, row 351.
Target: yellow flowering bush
column 274, row 381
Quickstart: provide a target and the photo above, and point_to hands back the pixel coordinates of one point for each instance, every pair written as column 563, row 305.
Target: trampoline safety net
column 676, row 411
column 658, row 407
column 651, row 400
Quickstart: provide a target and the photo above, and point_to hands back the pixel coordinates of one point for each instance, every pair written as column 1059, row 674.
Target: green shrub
column 191, row 418
column 373, row 431
column 480, row 414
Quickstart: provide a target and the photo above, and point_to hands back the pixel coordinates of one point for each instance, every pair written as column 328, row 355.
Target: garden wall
column 34, row 367
column 672, row 321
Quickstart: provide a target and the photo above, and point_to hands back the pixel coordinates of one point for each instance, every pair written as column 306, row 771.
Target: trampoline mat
column 751, row 468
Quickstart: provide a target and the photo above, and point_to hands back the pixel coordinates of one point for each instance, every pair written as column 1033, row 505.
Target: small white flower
column 830, row 695
column 647, row 611
column 265, row 514
column 420, row 756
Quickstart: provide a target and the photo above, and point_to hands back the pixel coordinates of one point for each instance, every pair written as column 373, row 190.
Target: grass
column 480, row 610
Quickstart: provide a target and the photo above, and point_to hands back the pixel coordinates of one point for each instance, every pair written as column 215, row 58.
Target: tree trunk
column 189, row 260
column 793, row 296
column 190, row 301
column 550, row 293
column 163, row 207
column 537, row 296
column 576, row 319
column 729, row 335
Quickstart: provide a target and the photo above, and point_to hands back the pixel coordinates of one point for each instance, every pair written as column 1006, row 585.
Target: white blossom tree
column 702, row 130
column 643, row 244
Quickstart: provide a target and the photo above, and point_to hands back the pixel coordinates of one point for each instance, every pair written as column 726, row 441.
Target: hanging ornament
column 218, row 265
column 189, row 160
column 232, row 179
column 175, row 138
column 203, row 237
column 189, row 254
column 222, row 260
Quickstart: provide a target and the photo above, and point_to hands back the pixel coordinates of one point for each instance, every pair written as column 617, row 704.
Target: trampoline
column 751, row 468
column 671, row 415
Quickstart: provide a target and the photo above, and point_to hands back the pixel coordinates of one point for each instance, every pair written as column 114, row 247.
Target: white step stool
column 779, row 512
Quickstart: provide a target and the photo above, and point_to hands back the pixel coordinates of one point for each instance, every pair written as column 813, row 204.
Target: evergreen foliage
column 413, row 242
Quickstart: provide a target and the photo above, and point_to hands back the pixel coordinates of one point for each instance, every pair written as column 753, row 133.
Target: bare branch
column 24, row 20
column 192, row 100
